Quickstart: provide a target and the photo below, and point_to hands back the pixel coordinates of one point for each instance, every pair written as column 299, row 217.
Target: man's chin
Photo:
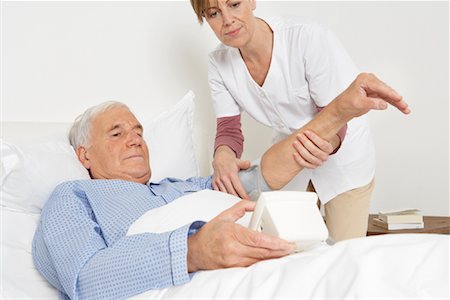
column 143, row 179
column 140, row 177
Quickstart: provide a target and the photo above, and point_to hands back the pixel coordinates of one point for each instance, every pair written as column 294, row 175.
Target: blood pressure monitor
column 290, row 215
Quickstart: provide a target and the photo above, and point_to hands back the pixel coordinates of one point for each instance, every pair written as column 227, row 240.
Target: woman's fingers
column 311, row 150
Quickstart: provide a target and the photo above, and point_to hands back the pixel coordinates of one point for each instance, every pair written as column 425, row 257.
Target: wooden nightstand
column 432, row 225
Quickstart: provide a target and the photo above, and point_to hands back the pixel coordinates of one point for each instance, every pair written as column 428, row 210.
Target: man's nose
column 135, row 139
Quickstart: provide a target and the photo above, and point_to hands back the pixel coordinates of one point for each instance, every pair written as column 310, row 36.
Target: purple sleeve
column 229, row 133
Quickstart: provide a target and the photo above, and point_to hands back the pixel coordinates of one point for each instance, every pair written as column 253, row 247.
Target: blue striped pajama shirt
column 81, row 248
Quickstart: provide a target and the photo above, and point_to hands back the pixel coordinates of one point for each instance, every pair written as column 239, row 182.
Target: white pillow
column 30, row 170
column 201, row 206
column 170, row 139
column 21, row 280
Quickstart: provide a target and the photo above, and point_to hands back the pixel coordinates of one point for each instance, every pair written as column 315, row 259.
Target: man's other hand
column 221, row 243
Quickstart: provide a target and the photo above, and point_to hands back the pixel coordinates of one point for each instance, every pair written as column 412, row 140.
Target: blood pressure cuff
column 253, row 181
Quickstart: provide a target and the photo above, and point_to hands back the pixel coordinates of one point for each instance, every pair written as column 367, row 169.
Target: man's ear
column 83, row 157
column 253, row 4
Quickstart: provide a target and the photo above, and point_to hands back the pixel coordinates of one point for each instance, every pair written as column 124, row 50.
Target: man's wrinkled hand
column 367, row 93
column 221, row 243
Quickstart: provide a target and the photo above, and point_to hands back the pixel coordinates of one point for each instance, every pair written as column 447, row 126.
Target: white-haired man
column 81, row 246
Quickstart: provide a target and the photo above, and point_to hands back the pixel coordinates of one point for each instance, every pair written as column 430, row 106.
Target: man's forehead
column 120, row 125
column 116, row 117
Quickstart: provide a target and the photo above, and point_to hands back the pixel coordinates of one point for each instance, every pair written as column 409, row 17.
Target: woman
column 281, row 71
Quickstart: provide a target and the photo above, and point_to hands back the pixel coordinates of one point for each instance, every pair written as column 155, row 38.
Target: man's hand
column 221, row 243
column 367, row 92
column 226, row 168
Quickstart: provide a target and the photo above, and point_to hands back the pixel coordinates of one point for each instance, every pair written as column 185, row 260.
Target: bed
column 36, row 157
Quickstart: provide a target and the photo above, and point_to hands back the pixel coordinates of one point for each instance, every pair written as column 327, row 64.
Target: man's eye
column 116, row 134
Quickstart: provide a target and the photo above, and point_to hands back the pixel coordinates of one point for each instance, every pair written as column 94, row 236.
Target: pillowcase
column 198, row 206
column 30, row 170
column 170, row 140
column 21, row 279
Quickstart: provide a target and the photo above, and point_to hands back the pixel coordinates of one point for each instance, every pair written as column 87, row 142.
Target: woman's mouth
column 233, row 33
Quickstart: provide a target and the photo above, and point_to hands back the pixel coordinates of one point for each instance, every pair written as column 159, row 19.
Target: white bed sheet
column 402, row 266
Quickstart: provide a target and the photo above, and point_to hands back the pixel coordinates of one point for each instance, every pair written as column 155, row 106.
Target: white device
column 290, row 215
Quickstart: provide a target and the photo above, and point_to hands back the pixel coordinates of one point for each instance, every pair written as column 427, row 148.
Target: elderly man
column 81, row 246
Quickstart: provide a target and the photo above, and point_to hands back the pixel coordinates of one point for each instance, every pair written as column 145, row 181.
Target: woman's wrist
column 224, row 150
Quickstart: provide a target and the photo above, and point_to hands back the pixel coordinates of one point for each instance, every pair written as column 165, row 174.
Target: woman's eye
column 116, row 134
column 213, row 14
column 235, row 5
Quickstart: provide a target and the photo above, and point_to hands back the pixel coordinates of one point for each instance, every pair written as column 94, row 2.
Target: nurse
column 282, row 71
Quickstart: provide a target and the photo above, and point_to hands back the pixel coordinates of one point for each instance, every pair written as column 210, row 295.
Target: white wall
column 60, row 57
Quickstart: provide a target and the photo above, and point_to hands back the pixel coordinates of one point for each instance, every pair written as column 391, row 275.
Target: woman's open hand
column 226, row 168
column 311, row 150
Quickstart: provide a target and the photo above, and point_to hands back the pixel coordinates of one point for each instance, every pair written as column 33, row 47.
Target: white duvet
column 384, row 266
column 402, row 266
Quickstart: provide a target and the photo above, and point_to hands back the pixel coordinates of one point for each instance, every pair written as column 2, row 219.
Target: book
column 401, row 216
column 404, row 211
column 397, row 226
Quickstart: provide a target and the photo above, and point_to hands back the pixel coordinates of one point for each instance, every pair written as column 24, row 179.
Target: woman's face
column 232, row 21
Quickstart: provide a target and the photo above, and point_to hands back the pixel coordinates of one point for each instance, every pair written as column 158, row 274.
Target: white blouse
column 309, row 68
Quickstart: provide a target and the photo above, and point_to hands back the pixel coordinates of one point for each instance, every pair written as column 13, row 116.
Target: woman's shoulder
column 220, row 50
column 222, row 54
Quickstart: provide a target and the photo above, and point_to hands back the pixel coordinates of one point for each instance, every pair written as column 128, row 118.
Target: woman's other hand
column 311, row 150
column 226, row 168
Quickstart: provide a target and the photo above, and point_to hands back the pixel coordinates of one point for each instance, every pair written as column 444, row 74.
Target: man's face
column 117, row 149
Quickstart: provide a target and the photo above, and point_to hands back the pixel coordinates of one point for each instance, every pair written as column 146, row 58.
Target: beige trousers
column 347, row 214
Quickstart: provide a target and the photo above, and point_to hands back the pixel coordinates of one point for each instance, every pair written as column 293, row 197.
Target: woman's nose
column 227, row 17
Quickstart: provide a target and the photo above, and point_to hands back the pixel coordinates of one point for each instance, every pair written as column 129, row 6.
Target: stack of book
column 399, row 219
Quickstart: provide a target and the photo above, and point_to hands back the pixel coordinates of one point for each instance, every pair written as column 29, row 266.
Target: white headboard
column 22, row 131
